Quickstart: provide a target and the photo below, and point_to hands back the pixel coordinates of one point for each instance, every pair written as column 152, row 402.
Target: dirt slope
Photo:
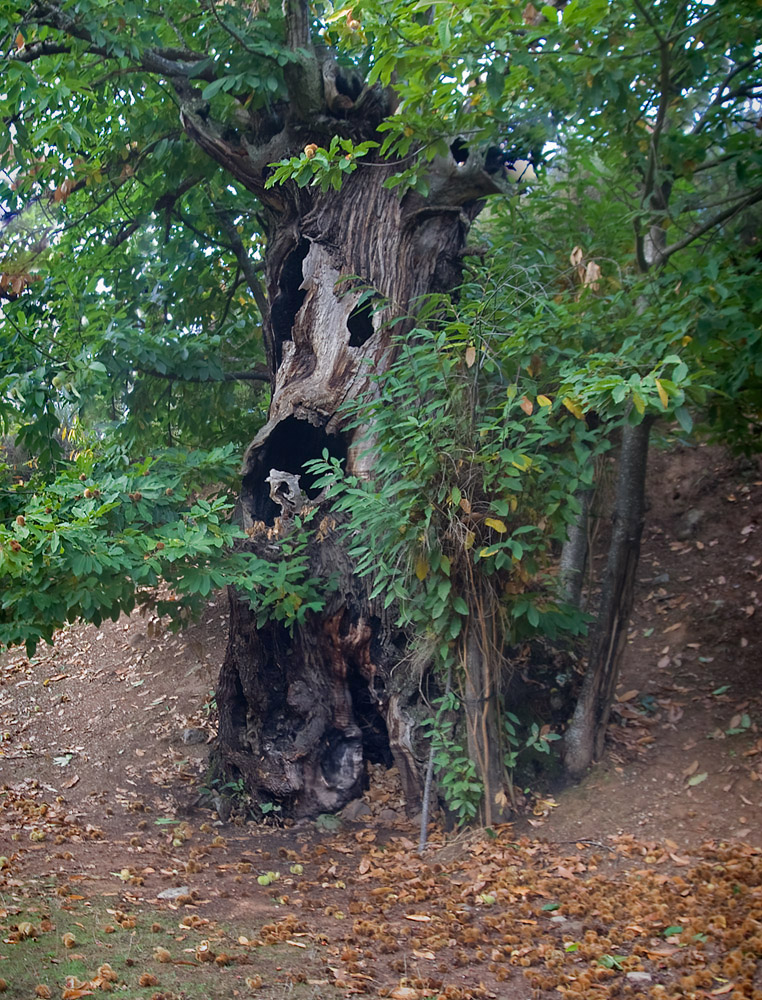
column 104, row 742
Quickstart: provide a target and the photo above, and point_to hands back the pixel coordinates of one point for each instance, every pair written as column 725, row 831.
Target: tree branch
column 170, row 62
column 254, row 375
column 661, row 117
column 720, row 97
column 712, row 223
column 303, row 76
column 249, row 268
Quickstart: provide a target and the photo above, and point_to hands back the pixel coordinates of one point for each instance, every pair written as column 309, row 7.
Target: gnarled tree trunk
column 300, row 712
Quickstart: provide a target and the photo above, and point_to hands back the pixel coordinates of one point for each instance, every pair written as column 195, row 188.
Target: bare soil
column 645, row 879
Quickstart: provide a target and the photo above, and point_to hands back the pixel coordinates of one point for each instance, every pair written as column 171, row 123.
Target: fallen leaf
column 628, row 695
column 698, row 778
column 420, row 918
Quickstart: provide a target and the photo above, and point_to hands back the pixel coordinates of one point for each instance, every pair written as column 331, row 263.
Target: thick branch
column 303, row 76
column 169, row 62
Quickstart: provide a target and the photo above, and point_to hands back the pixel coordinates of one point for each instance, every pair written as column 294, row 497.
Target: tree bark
column 574, row 553
column 584, row 738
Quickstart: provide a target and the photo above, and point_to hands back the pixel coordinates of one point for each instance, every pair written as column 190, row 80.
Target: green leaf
column 460, row 606
column 684, row 419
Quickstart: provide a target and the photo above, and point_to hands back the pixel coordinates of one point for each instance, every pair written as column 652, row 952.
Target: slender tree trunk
column 574, row 553
column 584, row 738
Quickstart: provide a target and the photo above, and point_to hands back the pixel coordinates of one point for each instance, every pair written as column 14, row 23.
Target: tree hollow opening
column 360, row 324
column 289, row 298
column 290, row 444
column 372, row 725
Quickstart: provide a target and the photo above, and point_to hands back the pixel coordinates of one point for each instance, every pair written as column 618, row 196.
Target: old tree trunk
column 300, row 711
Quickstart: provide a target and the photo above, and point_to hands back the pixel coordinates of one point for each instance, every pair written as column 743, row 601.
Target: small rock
column 193, row 736
column 662, row 578
column 355, row 810
column 224, row 807
column 388, row 816
column 180, row 890
column 689, row 523
column 558, row 919
column 639, row 977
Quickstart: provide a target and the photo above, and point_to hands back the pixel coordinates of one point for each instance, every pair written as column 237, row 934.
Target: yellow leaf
column 638, row 402
column 686, row 340
column 544, row 401
column 496, row 523
column 465, row 505
column 662, row 394
column 470, row 539
column 514, row 503
column 421, row 568
column 486, row 553
column 470, row 355
column 573, row 407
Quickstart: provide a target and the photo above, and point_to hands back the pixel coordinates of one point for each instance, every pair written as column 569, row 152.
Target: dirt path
column 104, row 741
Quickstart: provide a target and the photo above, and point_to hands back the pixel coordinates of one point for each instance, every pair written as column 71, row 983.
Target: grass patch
column 64, row 948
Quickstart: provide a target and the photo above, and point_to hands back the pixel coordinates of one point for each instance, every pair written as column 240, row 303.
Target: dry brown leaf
column 420, row 918
column 628, row 695
column 680, row 861
column 592, row 276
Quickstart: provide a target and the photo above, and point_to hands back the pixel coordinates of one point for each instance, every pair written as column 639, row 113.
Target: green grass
column 38, row 956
